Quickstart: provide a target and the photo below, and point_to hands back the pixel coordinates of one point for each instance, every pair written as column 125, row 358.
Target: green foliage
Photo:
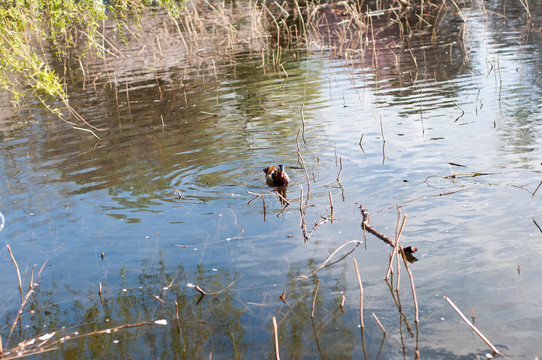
column 29, row 29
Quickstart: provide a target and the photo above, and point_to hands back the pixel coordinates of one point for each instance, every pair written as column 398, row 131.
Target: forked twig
column 258, row 196
column 325, row 263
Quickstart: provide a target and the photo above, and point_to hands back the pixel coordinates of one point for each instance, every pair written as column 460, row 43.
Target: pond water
column 392, row 126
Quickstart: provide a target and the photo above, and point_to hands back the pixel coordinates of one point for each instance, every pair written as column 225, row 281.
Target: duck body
column 276, row 176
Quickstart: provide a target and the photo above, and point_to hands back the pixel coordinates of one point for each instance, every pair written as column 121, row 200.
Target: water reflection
column 375, row 129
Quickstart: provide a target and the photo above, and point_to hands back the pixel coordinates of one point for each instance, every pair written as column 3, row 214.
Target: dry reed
column 275, row 332
column 360, row 295
column 471, row 325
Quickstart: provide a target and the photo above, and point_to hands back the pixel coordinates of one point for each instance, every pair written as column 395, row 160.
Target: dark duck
column 276, row 177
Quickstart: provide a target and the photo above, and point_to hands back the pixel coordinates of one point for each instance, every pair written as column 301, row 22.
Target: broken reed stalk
column 460, row 108
column 360, row 295
column 341, row 305
column 177, row 320
column 158, row 298
column 538, row 187
column 416, row 312
column 257, row 196
column 383, row 141
column 200, row 290
column 22, row 349
column 275, row 331
column 303, row 124
column 380, row 324
column 331, row 205
column 360, row 140
column 395, row 247
column 312, row 319
column 302, row 162
column 302, row 211
column 20, row 312
column 316, row 224
column 18, row 272
column 539, row 229
column 340, row 169
column 283, row 209
column 471, row 325
column 282, row 197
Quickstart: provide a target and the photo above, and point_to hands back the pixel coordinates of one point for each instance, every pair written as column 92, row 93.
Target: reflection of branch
column 32, row 347
column 462, row 111
column 302, row 211
column 312, row 319
column 33, row 284
column 397, row 300
column 383, row 337
column 302, row 162
column 282, row 197
column 258, row 196
column 224, row 289
column 325, row 263
column 214, row 242
column 361, row 309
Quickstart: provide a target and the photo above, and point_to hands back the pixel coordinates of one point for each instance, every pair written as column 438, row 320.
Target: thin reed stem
column 471, row 325
column 360, row 295
column 18, row 272
column 275, row 332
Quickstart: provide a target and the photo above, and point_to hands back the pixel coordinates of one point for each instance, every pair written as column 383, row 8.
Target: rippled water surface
column 165, row 196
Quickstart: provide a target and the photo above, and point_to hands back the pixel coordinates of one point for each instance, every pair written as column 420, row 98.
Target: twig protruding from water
column 471, row 325
column 275, row 331
column 360, row 295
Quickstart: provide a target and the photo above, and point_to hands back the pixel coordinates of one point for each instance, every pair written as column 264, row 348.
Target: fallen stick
column 277, row 355
column 366, row 227
column 379, row 323
column 360, row 295
column 471, row 325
